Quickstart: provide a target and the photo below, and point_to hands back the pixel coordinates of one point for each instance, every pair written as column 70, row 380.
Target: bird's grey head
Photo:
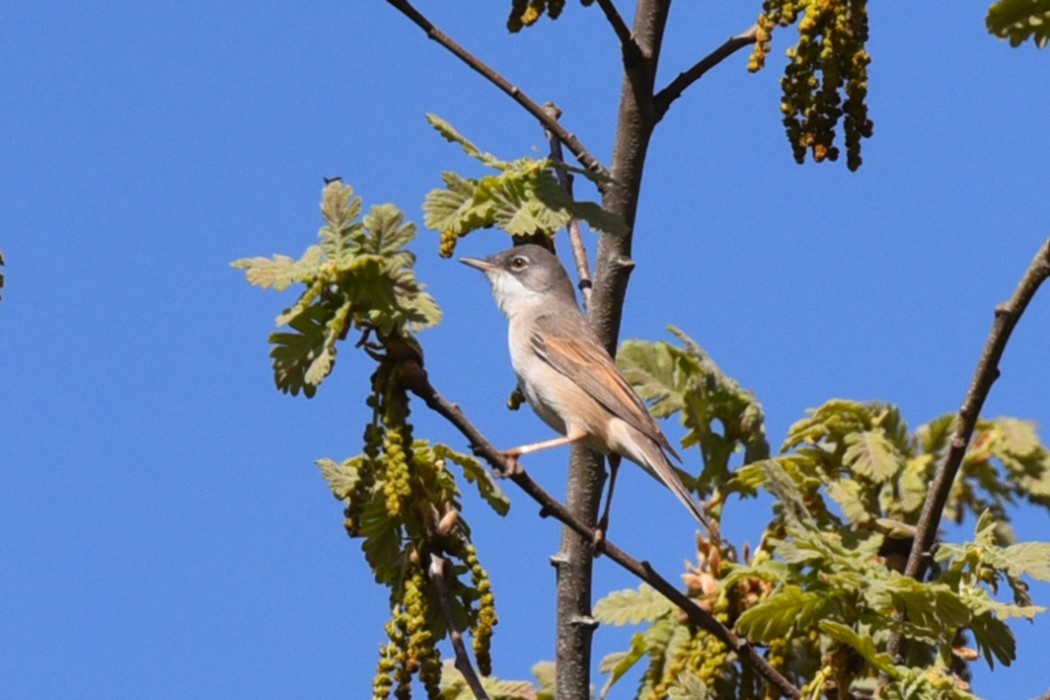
column 525, row 276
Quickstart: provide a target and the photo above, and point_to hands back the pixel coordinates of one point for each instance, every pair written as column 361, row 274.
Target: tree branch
column 436, row 571
column 579, row 251
column 585, row 158
column 674, row 90
column 632, row 53
column 418, row 383
column 579, row 254
column 1007, row 315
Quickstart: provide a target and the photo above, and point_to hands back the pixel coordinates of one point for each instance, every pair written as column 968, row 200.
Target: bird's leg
column 603, row 524
column 512, row 454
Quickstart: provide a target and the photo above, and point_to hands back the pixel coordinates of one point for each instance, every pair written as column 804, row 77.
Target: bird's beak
column 477, row 263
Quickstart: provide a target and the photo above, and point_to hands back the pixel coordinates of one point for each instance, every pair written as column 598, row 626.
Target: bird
column 567, row 376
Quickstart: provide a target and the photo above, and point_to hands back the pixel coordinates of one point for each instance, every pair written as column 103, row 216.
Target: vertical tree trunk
column 574, row 563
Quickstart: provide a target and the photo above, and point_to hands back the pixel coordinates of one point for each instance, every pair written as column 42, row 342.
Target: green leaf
column 994, row 639
column 476, row 473
column 1020, row 20
column 389, row 231
column 934, row 436
column 747, row 479
column 1031, row 558
column 550, row 192
column 836, row 418
column 923, row 683
column 722, row 417
column 334, row 329
column 984, row 530
column 295, row 354
column 342, row 234
column 934, row 611
column 280, row 271
column 450, row 134
column 599, row 219
column 517, row 210
column 457, row 209
column 653, row 371
column 382, row 544
column 618, row 664
column 1016, row 437
column 787, row 610
column 523, row 198
column 765, row 569
column 849, row 497
column 631, row 607
column 912, row 486
column 342, row 477
column 360, row 275
column 870, row 454
column 789, row 498
column 863, row 645
column 1006, row 611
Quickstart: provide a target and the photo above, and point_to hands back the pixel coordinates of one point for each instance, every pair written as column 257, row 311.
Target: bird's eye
column 519, row 263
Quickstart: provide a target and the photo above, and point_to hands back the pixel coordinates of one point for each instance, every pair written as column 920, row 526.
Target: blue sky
column 165, row 531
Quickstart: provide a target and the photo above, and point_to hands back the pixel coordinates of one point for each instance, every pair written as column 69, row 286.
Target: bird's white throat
column 512, row 296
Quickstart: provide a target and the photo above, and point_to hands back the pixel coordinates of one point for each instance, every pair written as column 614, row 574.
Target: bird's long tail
column 660, row 467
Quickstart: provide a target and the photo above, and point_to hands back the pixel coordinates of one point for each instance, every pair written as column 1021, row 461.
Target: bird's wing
column 587, row 364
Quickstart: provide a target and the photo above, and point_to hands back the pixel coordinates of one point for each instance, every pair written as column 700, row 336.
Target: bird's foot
column 598, row 542
column 510, row 459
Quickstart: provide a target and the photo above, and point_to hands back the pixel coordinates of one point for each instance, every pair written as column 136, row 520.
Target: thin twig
column 585, row 158
column 674, row 90
column 579, row 252
column 420, row 385
column 631, row 51
column 436, row 570
column 1007, row 315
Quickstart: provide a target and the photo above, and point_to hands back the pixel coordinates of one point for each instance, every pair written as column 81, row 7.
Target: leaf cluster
column 824, row 590
column 875, row 472
column 1020, row 20
column 722, row 417
column 359, row 275
column 523, row 197
column 849, row 488
column 401, row 498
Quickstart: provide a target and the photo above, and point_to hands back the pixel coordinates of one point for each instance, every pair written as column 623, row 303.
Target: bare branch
column 436, row 571
column 672, row 92
column 631, row 51
column 579, row 252
column 421, row 387
column 1007, row 315
column 635, row 123
column 585, row 158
